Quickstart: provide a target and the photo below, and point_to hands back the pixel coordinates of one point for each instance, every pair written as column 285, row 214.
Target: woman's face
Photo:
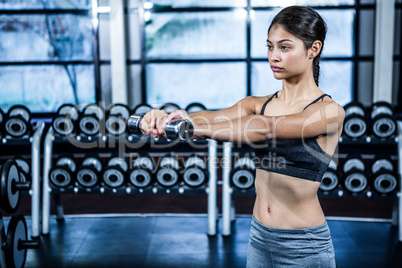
column 287, row 54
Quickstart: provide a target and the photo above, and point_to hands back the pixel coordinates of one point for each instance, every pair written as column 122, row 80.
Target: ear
column 315, row 49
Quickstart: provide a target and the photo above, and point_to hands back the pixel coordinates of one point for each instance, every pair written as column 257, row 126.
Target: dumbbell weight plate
column 381, row 164
column 23, row 164
column 167, row 177
column 87, row 177
column 9, row 198
column 194, row 176
column 384, row 126
column 195, row 161
column 351, row 163
column 67, row 161
column 62, row 125
column 94, row 162
column 170, row 107
column 20, row 111
column 95, row 110
column 355, row 126
column 355, row 108
column 117, row 161
column 16, row 126
column 168, row 161
column 141, row 178
column 385, row 183
column 142, row 109
column 355, row 182
column 60, row 177
column 243, row 178
column 244, row 162
column 115, row 125
column 329, row 181
column 113, row 177
column 144, row 162
column 89, row 125
column 195, row 107
column 70, row 110
column 119, row 109
column 381, row 108
column 16, row 232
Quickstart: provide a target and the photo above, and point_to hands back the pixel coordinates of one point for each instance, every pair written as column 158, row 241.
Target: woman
column 299, row 128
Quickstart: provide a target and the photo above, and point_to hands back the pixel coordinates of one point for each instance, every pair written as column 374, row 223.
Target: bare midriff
column 286, row 202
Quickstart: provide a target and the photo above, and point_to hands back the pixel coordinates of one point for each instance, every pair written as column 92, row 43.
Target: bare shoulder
column 329, row 108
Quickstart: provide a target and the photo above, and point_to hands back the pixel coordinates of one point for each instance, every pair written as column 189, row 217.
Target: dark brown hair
column 306, row 24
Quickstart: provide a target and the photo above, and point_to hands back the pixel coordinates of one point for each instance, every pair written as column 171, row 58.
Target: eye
column 285, row 47
column 269, row 47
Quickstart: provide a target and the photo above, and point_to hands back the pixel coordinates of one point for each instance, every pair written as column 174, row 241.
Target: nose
column 273, row 55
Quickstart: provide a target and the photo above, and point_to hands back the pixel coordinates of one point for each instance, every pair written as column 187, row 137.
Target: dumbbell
column 243, row 175
column 62, row 174
column 116, row 120
column 170, row 107
column 114, row 174
column 16, row 243
column 195, row 107
column 194, row 174
column 384, row 178
column 11, row 186
column 18, row 120
column 181, row 129
column 354, row 178
column 24, row 168
column 141, row 176
column 330, row 179
column 91, row 118
column 66, row 120
column 89, row 172
column 142, row 109
column 168, row 174
column 383, row 123
column 355, row 124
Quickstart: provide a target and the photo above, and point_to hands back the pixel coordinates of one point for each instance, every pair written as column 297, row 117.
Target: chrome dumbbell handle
column 182, row 129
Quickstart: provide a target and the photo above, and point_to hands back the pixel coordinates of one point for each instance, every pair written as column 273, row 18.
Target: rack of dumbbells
column 21, row 139
column 90, row 150
column 365, row 164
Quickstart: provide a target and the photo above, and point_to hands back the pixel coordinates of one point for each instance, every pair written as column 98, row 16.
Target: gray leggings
column 274, row 247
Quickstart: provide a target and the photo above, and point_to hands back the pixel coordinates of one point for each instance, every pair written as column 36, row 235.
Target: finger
column 173, row 115
column 162, row 126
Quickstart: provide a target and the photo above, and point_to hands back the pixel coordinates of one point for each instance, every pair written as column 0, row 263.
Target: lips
column 276, row 69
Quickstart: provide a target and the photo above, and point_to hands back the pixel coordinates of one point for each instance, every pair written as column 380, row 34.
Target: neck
column 299, row 88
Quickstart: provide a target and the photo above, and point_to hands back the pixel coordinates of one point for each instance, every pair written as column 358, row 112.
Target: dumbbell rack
column 347, row 146
column 129, row 141
column 19, row 145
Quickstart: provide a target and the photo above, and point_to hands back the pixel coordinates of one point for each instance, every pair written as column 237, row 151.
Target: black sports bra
column 301, row 158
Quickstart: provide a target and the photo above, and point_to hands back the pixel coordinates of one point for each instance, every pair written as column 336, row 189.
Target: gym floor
column 180, row 240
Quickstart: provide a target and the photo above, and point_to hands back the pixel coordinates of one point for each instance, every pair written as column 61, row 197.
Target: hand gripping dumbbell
column 116, row 120
column 91, row 119
column 15, row 243
column 90, row 171
column 168, row 174
column 194, row 174
column 195, row 107
column 181, row 129
column 141, row 176
column 383, row 123
column 65, row 122
column 243, row 175
column 354, row 178
column 384, row 178
column 11, row 186
column 114, row 175
column 24, row 168
column 355, row 123
column 330, row 179
column 62, row 174
column 18, row 121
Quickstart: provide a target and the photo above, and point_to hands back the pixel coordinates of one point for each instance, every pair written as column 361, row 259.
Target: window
column 214, row 52
column 46, row 54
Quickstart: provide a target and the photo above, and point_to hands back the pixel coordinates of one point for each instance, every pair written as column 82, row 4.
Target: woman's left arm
column 323, row 118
